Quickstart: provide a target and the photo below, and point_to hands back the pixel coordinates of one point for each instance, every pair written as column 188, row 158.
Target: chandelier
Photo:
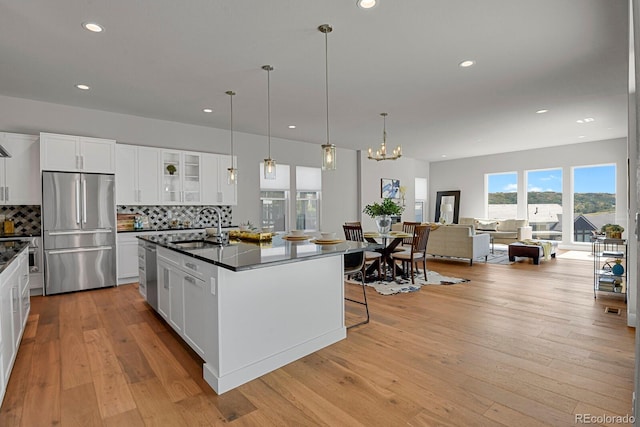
column 381, row 154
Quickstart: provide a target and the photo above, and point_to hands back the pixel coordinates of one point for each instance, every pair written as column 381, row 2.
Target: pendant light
column 269, row 163
column 381, row 154
column 232, row 173
column 328, row 149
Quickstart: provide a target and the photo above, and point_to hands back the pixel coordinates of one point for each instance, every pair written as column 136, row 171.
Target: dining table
column 390, row 241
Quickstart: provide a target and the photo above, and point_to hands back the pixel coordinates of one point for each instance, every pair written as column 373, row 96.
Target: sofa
column 502, row 230
column 458, row 241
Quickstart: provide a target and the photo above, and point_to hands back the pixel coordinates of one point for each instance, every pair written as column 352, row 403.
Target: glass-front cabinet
column 181, row 177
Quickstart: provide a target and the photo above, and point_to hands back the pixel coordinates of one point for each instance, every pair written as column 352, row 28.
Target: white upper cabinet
column 77, row 153
column 137, row 175
column 215, row 188
column 20, row 182
column 181, row 178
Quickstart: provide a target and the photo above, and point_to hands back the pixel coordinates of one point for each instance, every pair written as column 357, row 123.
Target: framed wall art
column 389, row 188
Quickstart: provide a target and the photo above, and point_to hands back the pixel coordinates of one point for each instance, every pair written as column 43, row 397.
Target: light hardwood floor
column 519, row 345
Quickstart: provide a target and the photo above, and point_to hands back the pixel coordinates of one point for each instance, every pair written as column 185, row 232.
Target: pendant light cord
column 231, row 101
column 269, row 108
column 326, row 79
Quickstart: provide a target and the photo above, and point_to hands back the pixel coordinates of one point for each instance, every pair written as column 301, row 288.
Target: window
column 308, row 186
column 307, row 212
column 594, row 200
column 419, row 210
column 420, row 198
column 274, row 209
column 502, row 195
column 544, row 203
column 274, row 199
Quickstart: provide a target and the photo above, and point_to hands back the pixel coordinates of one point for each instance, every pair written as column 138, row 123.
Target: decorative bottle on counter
column 8, row 226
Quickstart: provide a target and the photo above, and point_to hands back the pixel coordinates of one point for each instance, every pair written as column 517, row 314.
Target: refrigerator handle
column 6, row 193
column 78, row 201
column 79, row 250
column 84, row 201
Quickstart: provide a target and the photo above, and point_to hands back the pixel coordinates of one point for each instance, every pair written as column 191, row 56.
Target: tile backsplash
column 161, row 216
column 26, row 218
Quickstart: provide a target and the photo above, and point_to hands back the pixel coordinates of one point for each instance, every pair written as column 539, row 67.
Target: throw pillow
column 487, row 225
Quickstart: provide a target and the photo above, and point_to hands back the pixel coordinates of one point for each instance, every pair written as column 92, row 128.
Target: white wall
column 339, row 187
column 405, row 169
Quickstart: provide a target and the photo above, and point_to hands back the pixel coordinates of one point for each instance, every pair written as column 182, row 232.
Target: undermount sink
column 197, row 244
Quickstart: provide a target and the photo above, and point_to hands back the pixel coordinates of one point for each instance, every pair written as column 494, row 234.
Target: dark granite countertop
column 240, row 255
column 9, row 251
column 10, row 236
column 195, row 229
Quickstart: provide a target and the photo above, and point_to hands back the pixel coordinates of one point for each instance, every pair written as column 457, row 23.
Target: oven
column 35, row 251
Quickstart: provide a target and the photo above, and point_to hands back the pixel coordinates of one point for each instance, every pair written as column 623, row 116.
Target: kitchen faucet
column 217, row 212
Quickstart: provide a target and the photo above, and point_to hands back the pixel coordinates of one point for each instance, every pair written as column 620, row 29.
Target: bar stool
column 353, row 264
column 354, row 233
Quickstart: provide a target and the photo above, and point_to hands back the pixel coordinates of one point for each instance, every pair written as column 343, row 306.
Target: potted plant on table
column 382, row 213
column 613, row 231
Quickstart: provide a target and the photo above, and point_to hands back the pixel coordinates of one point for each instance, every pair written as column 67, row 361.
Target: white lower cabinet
column 127, row 246
column 181, row 295
column 164, row 295
column 176, row 299
column 14, row 311
column 193, row 291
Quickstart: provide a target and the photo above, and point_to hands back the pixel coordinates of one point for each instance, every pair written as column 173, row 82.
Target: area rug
column 497, row 257
column 404, row 285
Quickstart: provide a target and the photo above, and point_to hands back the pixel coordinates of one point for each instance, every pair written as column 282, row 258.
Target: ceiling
column 170, row 59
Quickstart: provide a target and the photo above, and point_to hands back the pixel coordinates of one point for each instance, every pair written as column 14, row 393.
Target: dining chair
column 407, row 227
column 417, row 253
column 354, row 233
column 354, row 263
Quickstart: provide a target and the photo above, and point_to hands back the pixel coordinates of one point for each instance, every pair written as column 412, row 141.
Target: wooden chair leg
column 424, row 267
column 413, row 279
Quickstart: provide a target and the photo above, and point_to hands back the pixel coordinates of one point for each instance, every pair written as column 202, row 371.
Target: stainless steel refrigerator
column 79, row 231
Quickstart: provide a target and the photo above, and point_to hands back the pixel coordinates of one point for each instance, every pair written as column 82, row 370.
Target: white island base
column 248, row 323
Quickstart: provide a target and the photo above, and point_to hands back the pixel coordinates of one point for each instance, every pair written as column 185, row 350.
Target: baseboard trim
column 261, row 367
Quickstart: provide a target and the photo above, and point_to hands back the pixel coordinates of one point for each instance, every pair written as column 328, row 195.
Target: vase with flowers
column 382, row 213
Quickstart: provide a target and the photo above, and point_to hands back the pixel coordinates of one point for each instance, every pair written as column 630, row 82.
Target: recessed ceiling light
column 93, row 27
column 542, row 111
column 83, row 87
column 292, row 126
column 366, row 4
column 444, row 155
column 467, row 63
column 586, row 120
column 581, row 136
column 207, row 110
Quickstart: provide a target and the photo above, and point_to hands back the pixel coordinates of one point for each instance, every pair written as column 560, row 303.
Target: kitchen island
column 250, row 308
